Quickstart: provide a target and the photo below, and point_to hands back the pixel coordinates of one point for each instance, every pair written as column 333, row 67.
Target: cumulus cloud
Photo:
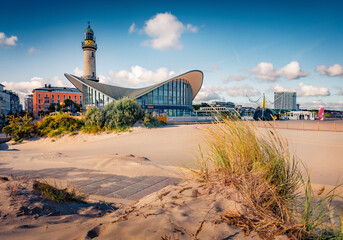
column 78, row 72
column 265, row 71
column 340, row 90
column 303, row 90
column 234, row 78
column 292, row 71
column 24, row 88
column 310, row 91
column 137, row 76
column 332, row 71
column 7, row 41
column 165, row 31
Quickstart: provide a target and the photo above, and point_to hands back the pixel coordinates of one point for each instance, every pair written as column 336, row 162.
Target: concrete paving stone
column 114, row 195
column 153, row 188
column 107, row 190
column 153, row 180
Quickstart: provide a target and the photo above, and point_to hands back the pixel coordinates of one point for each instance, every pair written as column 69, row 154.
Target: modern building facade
column 29, row 104
column 285, row 101
column 47, row 95
column 9, row 102
column 172, row 97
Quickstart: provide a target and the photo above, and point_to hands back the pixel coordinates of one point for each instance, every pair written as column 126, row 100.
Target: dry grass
column 259, row 164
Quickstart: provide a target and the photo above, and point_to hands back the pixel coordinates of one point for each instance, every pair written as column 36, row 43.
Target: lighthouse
column 89, row 48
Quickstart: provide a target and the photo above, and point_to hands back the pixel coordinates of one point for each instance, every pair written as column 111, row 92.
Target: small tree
column 123, row 113
column 51, row 108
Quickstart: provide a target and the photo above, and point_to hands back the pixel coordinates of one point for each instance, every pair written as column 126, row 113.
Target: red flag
column 321, row 114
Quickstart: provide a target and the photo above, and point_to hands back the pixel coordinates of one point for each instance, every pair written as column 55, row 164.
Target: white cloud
column 242, row 91
column 310, row 91
column 220, row 92
column 132, row 28
column 24, row 88
column 303, row 90
column 316, row 104
column 234, row 78
column 165, row 31
column 7, row 41
column 31, row 50
column 265, row 71
column 192, row 28
column 333, row 71
column 137, row 76
column 340, row 90
column 78, row 72
column 279, row 88
column 292, row 71
column 204, row 96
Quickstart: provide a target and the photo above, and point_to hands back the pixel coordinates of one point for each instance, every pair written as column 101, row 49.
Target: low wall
column 305, row 125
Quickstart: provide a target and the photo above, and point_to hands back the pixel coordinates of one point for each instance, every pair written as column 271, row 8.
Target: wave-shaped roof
column 195, row 79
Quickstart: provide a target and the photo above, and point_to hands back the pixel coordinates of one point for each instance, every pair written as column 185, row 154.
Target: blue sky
column 243, row 47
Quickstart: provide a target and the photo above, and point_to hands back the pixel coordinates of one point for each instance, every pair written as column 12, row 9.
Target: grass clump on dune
column 57, row 125
column 259, row 165
column 56, row 194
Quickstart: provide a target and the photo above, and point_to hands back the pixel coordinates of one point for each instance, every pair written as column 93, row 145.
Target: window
column 38, row 100
column 46, row 95
column 53, row 101
column 38, row 95
column 92, row 54
column 69, row 97
column 58, row 97
column 52, row 96
column 93, row 74
column 74, row 98
column 64, row 97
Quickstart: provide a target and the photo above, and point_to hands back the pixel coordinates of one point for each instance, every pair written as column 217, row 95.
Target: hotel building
column 47, row 95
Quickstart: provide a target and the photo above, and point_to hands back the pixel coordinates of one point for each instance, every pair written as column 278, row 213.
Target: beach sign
column 321, row 114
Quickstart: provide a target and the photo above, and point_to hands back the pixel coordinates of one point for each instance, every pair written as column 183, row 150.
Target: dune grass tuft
column 56, row 194
column 259, row 164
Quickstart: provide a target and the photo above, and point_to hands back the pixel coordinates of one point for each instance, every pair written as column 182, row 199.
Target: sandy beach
column 129, row 171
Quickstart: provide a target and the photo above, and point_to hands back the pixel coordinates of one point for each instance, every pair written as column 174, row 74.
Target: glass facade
column 92, row 97
column 173, row 98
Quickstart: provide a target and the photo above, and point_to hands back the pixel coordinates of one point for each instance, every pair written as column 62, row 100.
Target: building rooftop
column 49, row 88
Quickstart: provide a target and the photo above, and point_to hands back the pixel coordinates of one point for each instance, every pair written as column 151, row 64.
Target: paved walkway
column 99, row 184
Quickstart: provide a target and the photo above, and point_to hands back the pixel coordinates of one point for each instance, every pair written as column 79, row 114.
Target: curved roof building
column 172, row 97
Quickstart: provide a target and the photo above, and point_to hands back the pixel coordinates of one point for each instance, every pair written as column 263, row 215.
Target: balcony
column 93, row 46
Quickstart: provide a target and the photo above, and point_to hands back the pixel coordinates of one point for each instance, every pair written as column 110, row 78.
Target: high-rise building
column 285, row 100
column 29, row 103
column 46, row 96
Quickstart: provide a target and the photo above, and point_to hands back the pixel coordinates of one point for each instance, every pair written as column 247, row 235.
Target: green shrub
column 59, row 124
column 151, row 121
column 123, row 113
column 95, row 117
column 19, row 128
column 93, row 129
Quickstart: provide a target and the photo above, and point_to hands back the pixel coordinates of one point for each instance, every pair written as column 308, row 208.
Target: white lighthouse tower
column 89, row 48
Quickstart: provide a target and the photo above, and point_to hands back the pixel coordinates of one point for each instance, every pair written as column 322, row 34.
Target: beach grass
column 258, row 163
column 58, row 194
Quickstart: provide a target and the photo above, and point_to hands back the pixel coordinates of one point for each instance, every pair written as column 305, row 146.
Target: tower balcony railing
column 83, row 44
